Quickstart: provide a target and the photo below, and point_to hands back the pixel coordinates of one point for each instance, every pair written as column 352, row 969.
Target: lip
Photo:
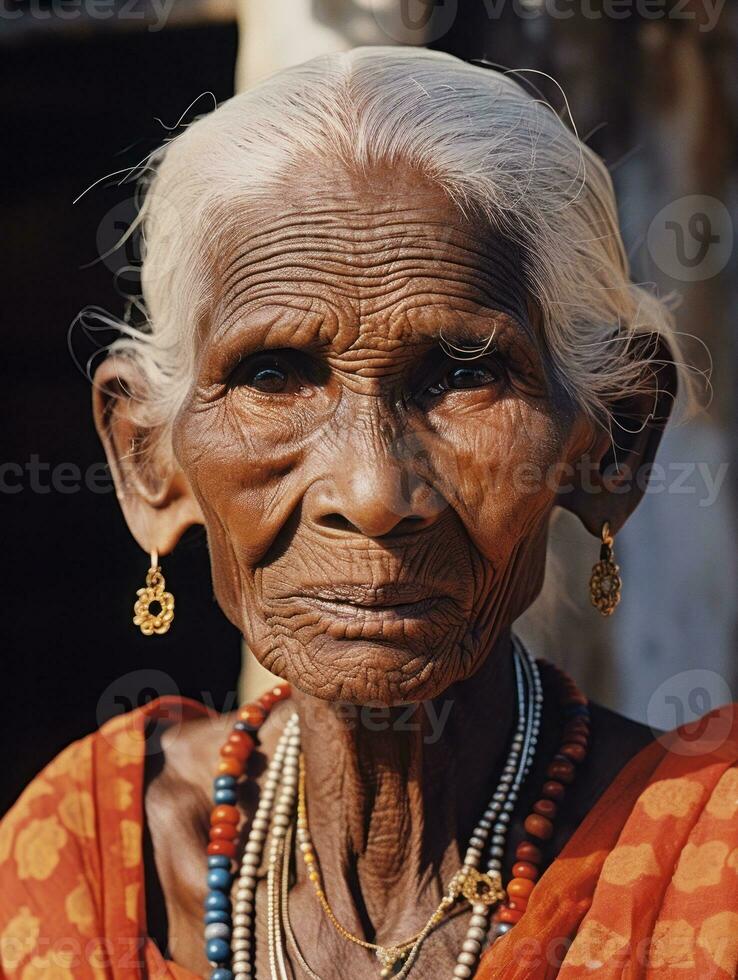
column 389, row 602
column 343, row 609
column 361, row 594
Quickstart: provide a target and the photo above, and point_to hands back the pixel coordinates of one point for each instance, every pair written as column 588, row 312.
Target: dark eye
column 268, row 374
column 464, row 376
column 271, row 379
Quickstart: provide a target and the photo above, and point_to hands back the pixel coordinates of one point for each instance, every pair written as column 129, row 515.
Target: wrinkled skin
column 365, row 530
column 371, row 537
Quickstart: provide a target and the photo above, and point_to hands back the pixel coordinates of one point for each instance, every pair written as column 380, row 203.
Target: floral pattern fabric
column 647, row 887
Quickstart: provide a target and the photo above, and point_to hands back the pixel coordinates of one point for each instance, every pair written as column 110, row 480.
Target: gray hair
column 476, row 133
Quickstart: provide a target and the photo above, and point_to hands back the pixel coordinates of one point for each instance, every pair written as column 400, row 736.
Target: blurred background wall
column 89, row 87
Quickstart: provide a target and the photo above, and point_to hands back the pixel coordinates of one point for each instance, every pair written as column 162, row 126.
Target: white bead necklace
column 277, row 819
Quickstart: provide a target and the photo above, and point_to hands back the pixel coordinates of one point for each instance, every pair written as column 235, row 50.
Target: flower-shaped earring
column 605, row 585
column 154, row 609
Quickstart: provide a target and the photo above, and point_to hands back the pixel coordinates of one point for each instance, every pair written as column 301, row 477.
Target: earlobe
column 154, row 493
column 612, row 476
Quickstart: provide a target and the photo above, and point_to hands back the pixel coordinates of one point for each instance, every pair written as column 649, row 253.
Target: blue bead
column 225, row 796
column 217, row 950
column 577, row 709
column 220, row 879
column 217, row 900
column 221, row 974
column 224, row 782
column 217, row 915
column 219, row 861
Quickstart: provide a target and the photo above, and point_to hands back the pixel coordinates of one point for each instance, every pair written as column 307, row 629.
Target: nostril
column 410, row 525
column 405, row 525
column 337, row 522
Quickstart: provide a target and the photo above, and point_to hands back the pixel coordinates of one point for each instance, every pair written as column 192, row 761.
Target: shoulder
column 49, row 864
column 72, row 842
column 56, row 804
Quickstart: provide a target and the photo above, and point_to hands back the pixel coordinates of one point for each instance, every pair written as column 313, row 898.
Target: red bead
column 280, row 692
column 224, row 813
column 239, row 744
column 553, row 790
column 226, row 847
column 223, row 831
column 574, row 752
column 538, row 826
column 524, row 869
column 546, row 808
column 230, row 767
column 577, row 724
column 573, row 738
column 576, row 698
column 527, row 851
column 252, row 714
column 577, row 727
column 509, row 915
column 519, row 904
column 520, row 887
column 561, row 769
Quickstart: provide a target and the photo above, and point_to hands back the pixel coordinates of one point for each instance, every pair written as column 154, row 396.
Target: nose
column 373, row 490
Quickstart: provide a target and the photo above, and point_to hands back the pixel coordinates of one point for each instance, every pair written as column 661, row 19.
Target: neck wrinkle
column 393, row 795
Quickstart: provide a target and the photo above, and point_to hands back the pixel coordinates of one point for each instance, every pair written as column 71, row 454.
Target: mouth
column 385, row 603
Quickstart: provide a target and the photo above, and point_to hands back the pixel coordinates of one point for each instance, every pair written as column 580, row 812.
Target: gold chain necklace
column 473, row 885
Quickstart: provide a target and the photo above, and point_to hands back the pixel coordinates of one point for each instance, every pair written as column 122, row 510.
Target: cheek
column 500, row 474
column 242, row 486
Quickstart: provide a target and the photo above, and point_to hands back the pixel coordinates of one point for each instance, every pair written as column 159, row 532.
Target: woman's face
column 376, row 510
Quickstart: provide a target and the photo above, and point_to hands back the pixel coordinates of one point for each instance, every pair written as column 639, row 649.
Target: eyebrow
column 465, row 345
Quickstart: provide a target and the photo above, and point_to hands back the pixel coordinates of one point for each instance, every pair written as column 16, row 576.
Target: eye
column 465, row 376
column 271, row 378
column 269, row 374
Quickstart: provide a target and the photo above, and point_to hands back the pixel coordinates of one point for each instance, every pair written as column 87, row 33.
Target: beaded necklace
column 229, row 938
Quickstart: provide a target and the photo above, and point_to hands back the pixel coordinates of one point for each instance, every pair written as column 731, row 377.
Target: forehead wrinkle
column 354, row 227
column 345, row 262
column 309, row 273
column 342, row 316
column 347, row 252
column 320, row 219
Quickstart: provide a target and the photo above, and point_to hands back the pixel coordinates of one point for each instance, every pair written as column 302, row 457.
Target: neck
column 391, row 807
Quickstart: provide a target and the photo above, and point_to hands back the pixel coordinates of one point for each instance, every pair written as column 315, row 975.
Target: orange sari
column 646, row 887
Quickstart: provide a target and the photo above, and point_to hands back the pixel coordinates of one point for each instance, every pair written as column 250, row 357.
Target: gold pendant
column 153, row 622
column 605, row 585
column 476, row 887
column 390, row 957
column 484, row 888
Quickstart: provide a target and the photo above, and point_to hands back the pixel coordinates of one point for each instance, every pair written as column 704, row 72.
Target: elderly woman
column 390, row 329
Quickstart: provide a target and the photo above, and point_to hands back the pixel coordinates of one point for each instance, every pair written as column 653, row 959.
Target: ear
column 611, row 477
column 154, row 493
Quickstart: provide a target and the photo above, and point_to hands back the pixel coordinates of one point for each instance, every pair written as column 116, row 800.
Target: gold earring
column 153, row 593
column 605, row 585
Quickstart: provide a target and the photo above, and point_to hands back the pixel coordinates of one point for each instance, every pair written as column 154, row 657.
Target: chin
column 366, row 654
column 367, row 671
